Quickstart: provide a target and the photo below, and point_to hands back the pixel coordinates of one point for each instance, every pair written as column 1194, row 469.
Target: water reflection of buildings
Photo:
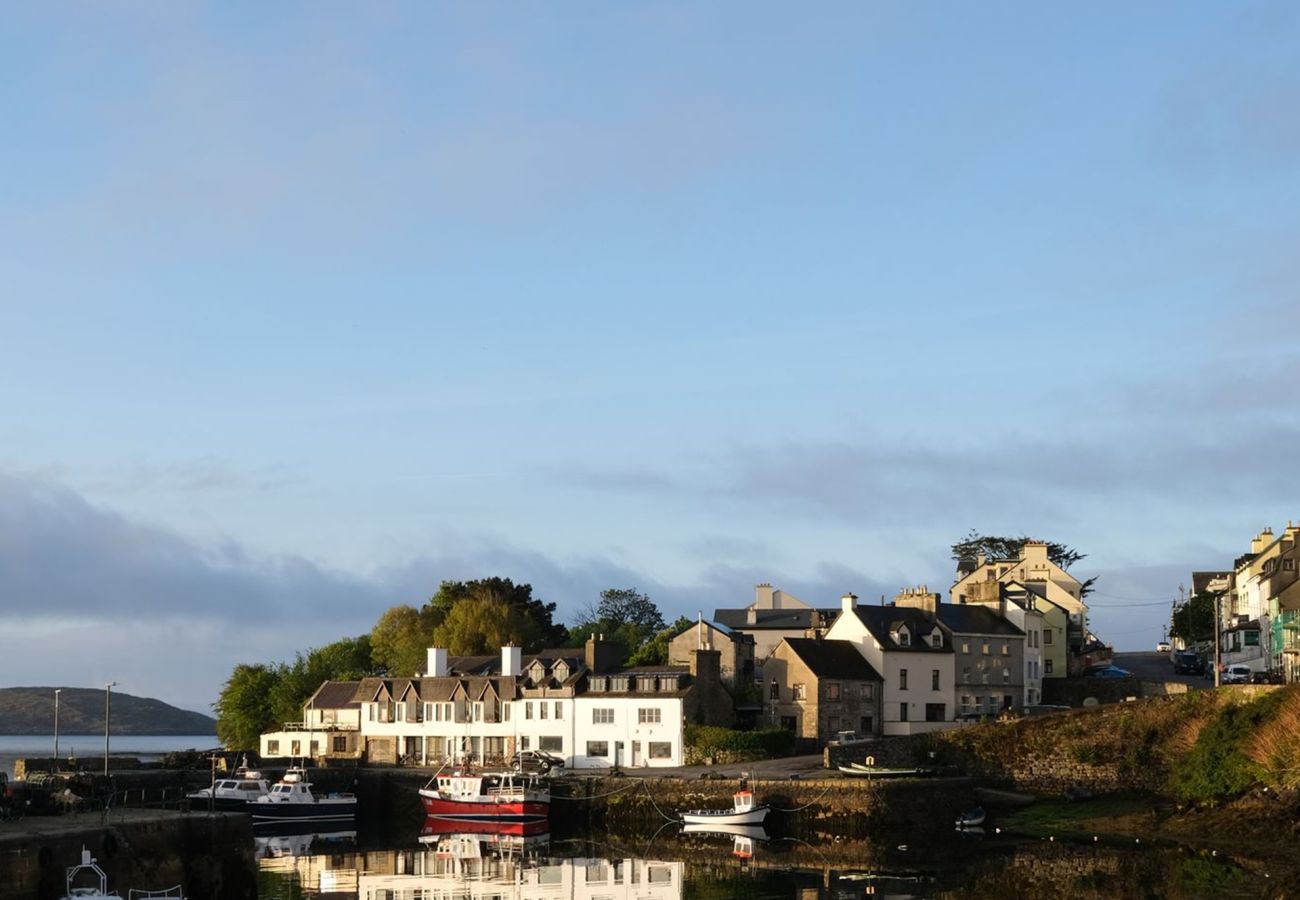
column 464, row 866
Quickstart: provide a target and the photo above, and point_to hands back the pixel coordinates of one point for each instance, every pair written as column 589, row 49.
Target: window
column 1006, row 675
column 904, row 638
column 868, row 691
column 798, row 691
column 1006, row 650
column 902, row 712
column 934, row 679
column 1047, row 667
column 523, row 743
column 789, row 723
column 478, row 712
column 505, row 712
column 401, row 712
column 774, row 691
column 648, row 715
column 272, row 748
column 598, row 748
column 661, row 750
column 984, row 648
column 295, row 748
column 551, row 743
column 543, row 710
column 902, row 679
column 866, row 725
column 528, row 710
column 936, row 712
column 1288, row 565
column 340, row 744
column 965, row 674
column 1047, row 636
column 833, row 692
column 559, row 710
column 602, row 716
column 1252, row 638
column 833, row 724
column 965, row 703
column 965, row 646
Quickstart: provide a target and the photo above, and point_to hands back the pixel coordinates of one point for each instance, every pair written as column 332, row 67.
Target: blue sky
column 309, row 307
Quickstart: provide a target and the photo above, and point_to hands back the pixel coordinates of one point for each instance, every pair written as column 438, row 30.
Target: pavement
column 1156, row 667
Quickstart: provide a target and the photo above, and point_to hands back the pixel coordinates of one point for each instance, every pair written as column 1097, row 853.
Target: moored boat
column 857, row 770
column 971, row 818
column 485, row 797
column 292, row 799
column 87, row 881
column 232, row 794
column 742, row 812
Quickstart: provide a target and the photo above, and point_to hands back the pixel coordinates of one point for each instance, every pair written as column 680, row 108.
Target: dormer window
column 560, row 671
column 936, row 638
column 903, row 637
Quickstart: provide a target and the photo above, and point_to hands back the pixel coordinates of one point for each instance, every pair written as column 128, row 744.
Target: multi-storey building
column 819, row 688
column 771, row 618
column 1020, row 607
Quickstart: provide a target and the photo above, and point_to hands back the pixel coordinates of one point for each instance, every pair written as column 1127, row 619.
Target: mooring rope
column 665, row 816
column 630, row 784
column 809, row 803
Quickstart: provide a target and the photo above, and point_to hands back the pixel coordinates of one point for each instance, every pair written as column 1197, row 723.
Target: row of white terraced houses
column 575, row 703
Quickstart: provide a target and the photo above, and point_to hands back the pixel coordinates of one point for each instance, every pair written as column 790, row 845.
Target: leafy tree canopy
column 624, row 616
column 401, row 637
column 478, row 626
column 544, row 631
column 654, row 652
column 995, row 547
column 1194, row 620
column 244, row 706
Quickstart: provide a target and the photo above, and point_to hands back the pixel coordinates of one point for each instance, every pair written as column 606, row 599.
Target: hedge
column 726, row 745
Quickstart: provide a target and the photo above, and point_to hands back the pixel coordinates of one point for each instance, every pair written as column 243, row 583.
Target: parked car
column 1108, row 671
column 1236, row 674
column 536, row 762
column 1162, row 647
column 1186, row 662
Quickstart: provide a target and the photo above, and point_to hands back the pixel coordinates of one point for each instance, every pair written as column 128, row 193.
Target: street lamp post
column 108, row 694
column 57, row 691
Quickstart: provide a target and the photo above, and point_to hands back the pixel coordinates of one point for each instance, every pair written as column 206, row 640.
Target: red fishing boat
column 486, row 797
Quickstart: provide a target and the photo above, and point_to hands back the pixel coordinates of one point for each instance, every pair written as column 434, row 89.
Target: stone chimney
column 601, row 655
column 512, row 662
column 706, row 665
column 437, row 662
column 849, row 602
column 765, row 596
column 918, row 598
column 1034, row 552
column 751, row 615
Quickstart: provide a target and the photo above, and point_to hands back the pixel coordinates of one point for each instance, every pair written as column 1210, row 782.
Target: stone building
column 736, row 649
column 818, row 688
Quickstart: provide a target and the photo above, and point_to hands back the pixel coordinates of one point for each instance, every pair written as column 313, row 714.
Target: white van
column 1236, row 674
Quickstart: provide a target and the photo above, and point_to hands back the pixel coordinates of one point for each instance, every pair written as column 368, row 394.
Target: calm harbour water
column 18, row 746
column 670, row 865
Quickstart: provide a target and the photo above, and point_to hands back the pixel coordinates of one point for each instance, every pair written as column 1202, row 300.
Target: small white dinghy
column 742, row 812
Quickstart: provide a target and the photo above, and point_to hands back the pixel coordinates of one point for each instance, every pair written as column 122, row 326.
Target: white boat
column 232, row 794
column 971, row 818
column 81, row 878
column 742, row 812
column 292, row 799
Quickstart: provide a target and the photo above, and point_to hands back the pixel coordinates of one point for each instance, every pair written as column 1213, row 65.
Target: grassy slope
column 30, row 710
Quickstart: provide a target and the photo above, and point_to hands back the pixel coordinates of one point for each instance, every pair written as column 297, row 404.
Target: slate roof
column 336, row 695
column 975, row 619
column 833, row 659
column 880, row 621
column 738, row 619
column 1201, row 580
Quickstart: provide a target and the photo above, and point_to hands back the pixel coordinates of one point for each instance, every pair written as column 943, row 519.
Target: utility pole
column 57, row 691
column 108, row 694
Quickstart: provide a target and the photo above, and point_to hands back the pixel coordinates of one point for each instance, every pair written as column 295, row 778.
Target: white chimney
column 849, row 602
column 512, row 662
column 438, row 662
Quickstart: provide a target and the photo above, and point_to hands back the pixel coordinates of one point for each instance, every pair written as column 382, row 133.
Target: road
column 1155, row 667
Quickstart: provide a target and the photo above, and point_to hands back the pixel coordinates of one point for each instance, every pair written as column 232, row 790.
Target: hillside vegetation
column 1206, row 747
column 30, row 710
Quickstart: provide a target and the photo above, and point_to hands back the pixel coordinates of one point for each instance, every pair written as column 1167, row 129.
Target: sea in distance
column 144, row 746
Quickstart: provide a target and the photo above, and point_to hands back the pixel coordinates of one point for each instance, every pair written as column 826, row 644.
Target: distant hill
column 30, row 710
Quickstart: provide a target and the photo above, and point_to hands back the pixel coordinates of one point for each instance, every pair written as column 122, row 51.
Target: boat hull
column 525, row 809
column 318, row 811
column 710, row 817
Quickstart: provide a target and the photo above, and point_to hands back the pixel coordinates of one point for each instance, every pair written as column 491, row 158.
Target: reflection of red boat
column 435, row 828
column 485, row 798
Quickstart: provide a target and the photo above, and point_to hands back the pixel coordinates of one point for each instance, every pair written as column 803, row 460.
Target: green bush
column 713, row 741
column 1217, row 768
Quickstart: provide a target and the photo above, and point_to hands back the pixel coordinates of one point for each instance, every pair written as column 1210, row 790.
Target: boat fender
column 109, row 844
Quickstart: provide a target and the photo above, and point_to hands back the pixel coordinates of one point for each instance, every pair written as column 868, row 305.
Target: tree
column 545, row 631
column 476, row 626
column 244, row 708
column 401, row 636
column 1009, row 548
column 623, row 616
column 654, row 652
column 1194, row 620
